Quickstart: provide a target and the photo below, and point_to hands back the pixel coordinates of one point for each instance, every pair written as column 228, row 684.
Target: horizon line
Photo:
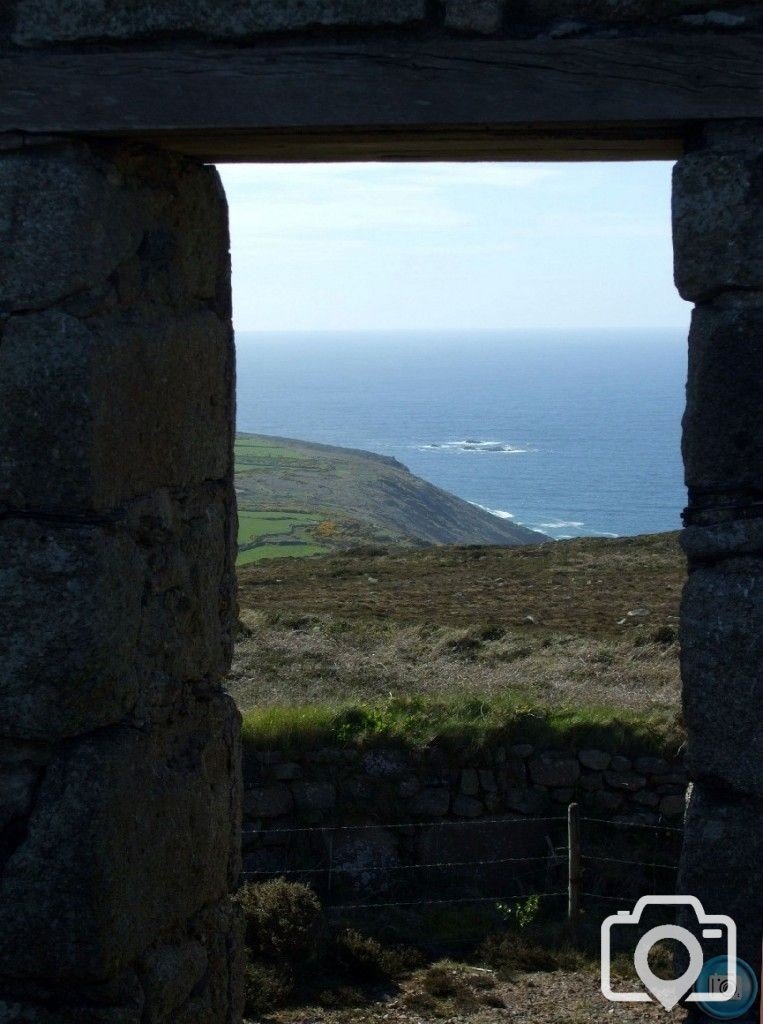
column 452, row 330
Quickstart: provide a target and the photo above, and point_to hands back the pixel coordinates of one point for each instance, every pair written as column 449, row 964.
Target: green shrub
column 516, row 952
column 665, row 635
column 267, row 986
column 521, row 914
column 366, row 959
column 441, row 982
column 282, row 919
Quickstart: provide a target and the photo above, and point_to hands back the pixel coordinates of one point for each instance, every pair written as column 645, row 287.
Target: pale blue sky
column 432, row 246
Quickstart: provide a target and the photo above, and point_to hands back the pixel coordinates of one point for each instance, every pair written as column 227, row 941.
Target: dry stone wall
column 119, row 750
column 384, row 790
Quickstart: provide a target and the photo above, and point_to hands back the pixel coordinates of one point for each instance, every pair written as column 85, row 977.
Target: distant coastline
column 297, row 498
column 570, row 433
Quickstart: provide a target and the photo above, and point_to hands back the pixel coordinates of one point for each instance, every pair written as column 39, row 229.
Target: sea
column 571, row 433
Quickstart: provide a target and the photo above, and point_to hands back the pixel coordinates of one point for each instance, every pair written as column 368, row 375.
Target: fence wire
column 375, row 868
column 398, row 825
column 632, row 824
column 460, row 899
column 553, row 859
column 630, row 863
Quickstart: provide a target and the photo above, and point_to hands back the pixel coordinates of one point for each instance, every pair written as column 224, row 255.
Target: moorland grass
column 458, row 724
column 465, row 646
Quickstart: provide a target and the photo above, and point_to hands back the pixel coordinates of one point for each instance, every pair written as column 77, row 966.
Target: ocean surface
column 570, row 433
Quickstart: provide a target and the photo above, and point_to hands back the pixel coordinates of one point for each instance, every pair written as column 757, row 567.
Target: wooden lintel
column 450, row 99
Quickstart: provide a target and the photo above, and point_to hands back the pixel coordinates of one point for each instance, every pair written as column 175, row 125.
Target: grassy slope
column 465, row 643
column 297, row 498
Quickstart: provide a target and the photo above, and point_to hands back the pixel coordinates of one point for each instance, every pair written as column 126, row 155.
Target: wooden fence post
column 573, row 861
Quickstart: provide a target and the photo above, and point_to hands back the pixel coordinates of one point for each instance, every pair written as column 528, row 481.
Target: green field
column 300, row 499
column 275, row 535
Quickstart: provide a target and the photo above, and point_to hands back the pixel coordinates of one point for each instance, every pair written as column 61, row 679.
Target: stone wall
column 384, row 789
column 46, row 22
column 119, row 756
column 718, row 227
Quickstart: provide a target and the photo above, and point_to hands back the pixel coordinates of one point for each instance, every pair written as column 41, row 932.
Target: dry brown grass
column 463, row 993
column 583, row 624
column 584, row 587
column 319, row 660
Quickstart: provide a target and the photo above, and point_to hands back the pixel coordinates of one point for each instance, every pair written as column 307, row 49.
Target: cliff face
column 347, row 497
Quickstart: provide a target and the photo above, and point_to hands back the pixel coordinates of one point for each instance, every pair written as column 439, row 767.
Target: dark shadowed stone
column 67, row 223
column 522, row 750
column 219, row 998
column 470, row 783
column 597, row 760
column 671, row 780
column 630, row 782
column 718, row 218
column 722, row 854
column 431, row 802
column 70, row 612
column 467, row 842
column 98, row 874
column 736, row 538
column 361, row 790
column 621, row 764
column 641, row 817
column 671, row 790
column 314, row 795
column 670, row 806
column 480, row 17
column 646, row 799
column 723, row 428
column 287, row 771
column 188, row 611
column 721, row 658
column 510, row 772
column 384, row 763
column 562, row 796
column 169, row 975
column 467, row 806
column 362, row 862
column 716, row 19
column 651, row 765
column 268, row 801
column 492, row 802
column 526, row 799
column 554, row 770
column 488, row 781
column 69, row 20
column 605, row 802
column 117, row 539
column 678, row 777
column 17, row 786
column 408, row 787
column 97, row 415
column 619, row 11
column 591, row 782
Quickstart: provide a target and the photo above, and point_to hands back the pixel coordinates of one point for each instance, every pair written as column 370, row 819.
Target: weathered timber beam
column 561, row 98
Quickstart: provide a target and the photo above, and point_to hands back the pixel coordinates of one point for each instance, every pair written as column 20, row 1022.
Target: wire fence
column 568, row 865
